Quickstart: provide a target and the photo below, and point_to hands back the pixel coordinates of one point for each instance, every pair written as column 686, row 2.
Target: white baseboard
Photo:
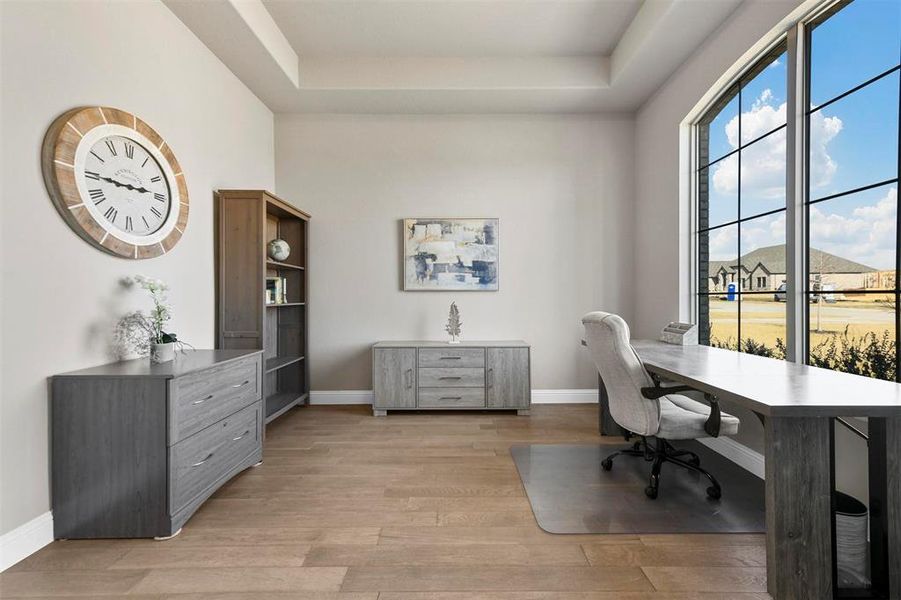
column 538, row 397
column 341, row 397
column 25, row 540
column 564, row 396
column 744, row 457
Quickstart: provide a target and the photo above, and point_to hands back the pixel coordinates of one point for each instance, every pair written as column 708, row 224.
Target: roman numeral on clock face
column 97, row 156
column 129, row 150
column 97, row 196
column 159, row 197
column 146, row 224
column 112, row 147
column 111, row 214
column 92, row 175
column 155, row 178
column 158, row 214
column 127, row 223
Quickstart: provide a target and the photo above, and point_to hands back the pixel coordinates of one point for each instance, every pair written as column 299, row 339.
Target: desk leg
column 798, row 508
column 893, row 502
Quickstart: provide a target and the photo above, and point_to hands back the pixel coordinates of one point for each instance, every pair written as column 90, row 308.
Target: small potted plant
column 162, row 343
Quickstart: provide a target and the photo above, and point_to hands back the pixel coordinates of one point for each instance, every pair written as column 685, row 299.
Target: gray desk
column 796, row 403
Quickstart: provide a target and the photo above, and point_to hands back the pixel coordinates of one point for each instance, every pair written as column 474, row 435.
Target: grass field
column 763, row 319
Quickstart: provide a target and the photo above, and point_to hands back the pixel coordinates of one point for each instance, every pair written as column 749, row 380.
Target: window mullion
column 795, row 188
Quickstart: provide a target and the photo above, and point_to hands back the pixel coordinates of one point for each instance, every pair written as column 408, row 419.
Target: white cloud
column 723, row 243
column 866, row 236
column 763, row 164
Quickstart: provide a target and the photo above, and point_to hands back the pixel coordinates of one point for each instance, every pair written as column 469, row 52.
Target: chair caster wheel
column 607, row 464
column 714, row 493
column 650, row 492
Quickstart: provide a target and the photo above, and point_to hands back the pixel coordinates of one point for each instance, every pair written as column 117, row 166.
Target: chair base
column 664, row 452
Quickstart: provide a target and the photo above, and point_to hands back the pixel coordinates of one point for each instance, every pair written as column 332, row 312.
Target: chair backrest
column 623, row 373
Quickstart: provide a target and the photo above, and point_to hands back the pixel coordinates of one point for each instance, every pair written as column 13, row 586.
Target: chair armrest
column 712, row 426
column 659, row 391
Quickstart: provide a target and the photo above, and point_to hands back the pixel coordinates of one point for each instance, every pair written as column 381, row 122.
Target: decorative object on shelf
column 115, row 182
column 277, row 290
column 450, row 254
column 278, row 249
column 454, row 325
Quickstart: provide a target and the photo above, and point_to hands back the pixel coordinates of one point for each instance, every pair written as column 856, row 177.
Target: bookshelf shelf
column 277, row 362
column 246, row 221
column 274, row 264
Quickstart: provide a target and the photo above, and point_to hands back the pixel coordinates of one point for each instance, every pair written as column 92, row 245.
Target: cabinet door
column 508, row 378
column 394, row 377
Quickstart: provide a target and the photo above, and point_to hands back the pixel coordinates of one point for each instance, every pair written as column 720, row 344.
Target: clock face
column 127, row 188
column 115, row 182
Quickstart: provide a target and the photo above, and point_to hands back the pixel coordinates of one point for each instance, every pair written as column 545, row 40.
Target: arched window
column 797, row 170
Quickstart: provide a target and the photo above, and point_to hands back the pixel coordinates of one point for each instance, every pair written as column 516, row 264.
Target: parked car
column 779, row 295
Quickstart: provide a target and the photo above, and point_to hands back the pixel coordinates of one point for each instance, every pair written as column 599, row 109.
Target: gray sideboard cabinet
column 138, row 447
column 441, row 376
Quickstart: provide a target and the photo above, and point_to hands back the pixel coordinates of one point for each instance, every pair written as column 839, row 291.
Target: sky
column 853, row 143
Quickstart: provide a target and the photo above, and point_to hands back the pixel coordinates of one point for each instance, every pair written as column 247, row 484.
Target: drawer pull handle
column 450, row 378
column 451, row 357
column 240, row 436
column 202, row 400
column 451, row 398
column 246, row 381
column 209, row 456
column 490, row 377
column 409, row 377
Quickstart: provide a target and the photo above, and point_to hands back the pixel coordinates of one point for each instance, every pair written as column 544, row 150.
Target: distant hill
column 773, row 260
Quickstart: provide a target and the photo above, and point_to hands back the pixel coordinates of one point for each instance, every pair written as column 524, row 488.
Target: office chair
column 644, row 408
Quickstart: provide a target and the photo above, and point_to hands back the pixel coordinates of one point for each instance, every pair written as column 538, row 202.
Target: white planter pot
column 161, row 353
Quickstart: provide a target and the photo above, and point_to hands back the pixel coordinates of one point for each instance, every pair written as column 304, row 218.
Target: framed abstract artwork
column 449, row 254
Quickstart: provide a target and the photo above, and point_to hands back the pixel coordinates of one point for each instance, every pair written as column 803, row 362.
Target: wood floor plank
column 469, row 554
column 266, row 579
column 510, row 578
column 708, row 579
column 278, row 536
column 672, row 555
column 569, row 596
column 163, row 556
column 493, row 535
column 25, row 584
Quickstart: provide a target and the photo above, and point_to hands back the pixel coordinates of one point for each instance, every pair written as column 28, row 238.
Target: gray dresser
column 138, row 447
column 437, row 375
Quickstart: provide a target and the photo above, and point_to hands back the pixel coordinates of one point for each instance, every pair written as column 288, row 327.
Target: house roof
column 772, row 258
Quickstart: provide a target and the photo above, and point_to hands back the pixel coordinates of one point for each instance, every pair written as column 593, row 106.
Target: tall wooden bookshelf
column 246, row 221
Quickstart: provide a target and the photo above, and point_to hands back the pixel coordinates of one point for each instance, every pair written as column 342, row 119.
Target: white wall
column 561, row 186
column 59, row 294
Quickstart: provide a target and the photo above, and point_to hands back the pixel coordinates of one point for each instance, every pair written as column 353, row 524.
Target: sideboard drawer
column 201, row 460
column 452, row 398
column 462, row 377
column 201, row 399
column 451, row 357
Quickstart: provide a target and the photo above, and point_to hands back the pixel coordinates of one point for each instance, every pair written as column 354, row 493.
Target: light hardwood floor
column 408, row 507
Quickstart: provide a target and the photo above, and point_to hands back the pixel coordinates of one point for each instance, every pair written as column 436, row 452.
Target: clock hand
column 125, row 185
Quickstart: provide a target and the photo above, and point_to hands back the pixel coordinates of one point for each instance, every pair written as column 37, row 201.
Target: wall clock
column 115, row 182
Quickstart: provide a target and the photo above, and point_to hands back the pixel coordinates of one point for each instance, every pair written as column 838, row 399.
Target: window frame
column 796, row 41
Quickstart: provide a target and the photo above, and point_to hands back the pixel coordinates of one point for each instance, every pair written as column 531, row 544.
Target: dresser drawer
column 462, row 377
column 199, row 461
column 452, row 398
column 451, row 357
column 201, row 399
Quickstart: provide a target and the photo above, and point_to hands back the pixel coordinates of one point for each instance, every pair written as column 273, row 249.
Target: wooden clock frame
column 58, row 165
